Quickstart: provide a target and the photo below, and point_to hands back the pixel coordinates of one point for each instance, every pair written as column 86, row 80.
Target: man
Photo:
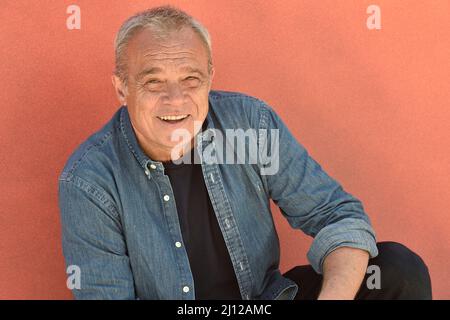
column 140, row 224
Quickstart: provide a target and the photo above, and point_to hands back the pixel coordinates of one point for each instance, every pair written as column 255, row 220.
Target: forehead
column 177, row 49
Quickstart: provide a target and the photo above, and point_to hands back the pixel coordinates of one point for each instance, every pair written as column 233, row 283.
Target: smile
column 173, row 118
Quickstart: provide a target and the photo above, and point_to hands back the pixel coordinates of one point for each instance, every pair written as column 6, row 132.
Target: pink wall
column 370, row 105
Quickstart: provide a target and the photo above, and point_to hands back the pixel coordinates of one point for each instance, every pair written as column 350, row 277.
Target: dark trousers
column 403, row 275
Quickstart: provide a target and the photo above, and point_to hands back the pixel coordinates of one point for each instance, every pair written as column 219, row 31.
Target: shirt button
column 146, row 172
column 185, row 289
column 178, row 244
column 166, row 198
column 153, row 166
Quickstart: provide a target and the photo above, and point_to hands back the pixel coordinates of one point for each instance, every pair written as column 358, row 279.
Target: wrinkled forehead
column 148, row 37
column 174, row 48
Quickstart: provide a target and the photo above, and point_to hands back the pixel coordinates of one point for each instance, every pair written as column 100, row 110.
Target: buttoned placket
column 225, row 217
column 155, row 171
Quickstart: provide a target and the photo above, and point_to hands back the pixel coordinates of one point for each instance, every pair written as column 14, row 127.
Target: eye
column 154, row 85
column 192, row 81
column 153, row 81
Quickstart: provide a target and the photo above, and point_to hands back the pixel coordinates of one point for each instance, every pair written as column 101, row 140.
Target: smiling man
column 140, row 225
column 165, row 84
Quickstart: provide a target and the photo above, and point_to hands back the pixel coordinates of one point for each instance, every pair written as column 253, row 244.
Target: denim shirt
column 120, row 225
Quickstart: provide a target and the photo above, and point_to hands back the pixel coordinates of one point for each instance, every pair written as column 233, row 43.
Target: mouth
column 173, row 119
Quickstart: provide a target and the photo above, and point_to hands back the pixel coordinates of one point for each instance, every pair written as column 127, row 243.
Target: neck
column 164, row 154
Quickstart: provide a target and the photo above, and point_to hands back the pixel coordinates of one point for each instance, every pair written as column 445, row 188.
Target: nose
column 175, row 95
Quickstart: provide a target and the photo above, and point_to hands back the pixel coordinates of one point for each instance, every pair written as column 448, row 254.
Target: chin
column 180, row 141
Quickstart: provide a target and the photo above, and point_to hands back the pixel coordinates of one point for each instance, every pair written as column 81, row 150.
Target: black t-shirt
column 210, row 262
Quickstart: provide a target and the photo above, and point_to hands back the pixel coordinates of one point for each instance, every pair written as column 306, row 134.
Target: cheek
column 204, row 108
column 145, row 114
column 146, row 103
column 202, row 105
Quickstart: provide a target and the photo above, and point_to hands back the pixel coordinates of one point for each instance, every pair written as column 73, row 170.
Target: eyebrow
column 193, row 70
column 145, row 72
column 155, row 70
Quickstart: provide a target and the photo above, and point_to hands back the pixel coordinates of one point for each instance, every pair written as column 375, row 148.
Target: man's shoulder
column 96, row 150
column 237, row 107
column 233, row 96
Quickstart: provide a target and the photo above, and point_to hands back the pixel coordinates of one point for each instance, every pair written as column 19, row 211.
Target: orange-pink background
column 372, row 106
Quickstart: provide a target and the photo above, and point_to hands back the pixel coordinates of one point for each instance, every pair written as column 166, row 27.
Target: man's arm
column 317, row 204
column 93, row 241
column 343, row 273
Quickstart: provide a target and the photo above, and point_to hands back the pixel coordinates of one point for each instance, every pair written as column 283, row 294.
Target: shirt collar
column 129, row 135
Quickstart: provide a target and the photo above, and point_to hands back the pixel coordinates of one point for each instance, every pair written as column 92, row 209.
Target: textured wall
column 370, row 105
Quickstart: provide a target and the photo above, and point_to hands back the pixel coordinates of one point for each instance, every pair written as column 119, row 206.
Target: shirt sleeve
column 93, row 241
column 309, row 198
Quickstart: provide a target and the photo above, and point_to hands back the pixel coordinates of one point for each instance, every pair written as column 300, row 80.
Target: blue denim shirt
column 120, row 225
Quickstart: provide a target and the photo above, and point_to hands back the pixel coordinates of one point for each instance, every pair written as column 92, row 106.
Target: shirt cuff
column 350, row 232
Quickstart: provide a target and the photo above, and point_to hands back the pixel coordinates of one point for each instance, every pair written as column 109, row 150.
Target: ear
column 120, row 89
column 211, row 76
column 213, row 72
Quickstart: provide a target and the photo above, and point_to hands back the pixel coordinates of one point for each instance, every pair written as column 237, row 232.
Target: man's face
column 168, row 87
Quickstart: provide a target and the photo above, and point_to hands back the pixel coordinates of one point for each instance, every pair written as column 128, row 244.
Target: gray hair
column 161, row 20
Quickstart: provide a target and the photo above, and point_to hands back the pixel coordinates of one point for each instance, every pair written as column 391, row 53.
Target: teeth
column 180, row 117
